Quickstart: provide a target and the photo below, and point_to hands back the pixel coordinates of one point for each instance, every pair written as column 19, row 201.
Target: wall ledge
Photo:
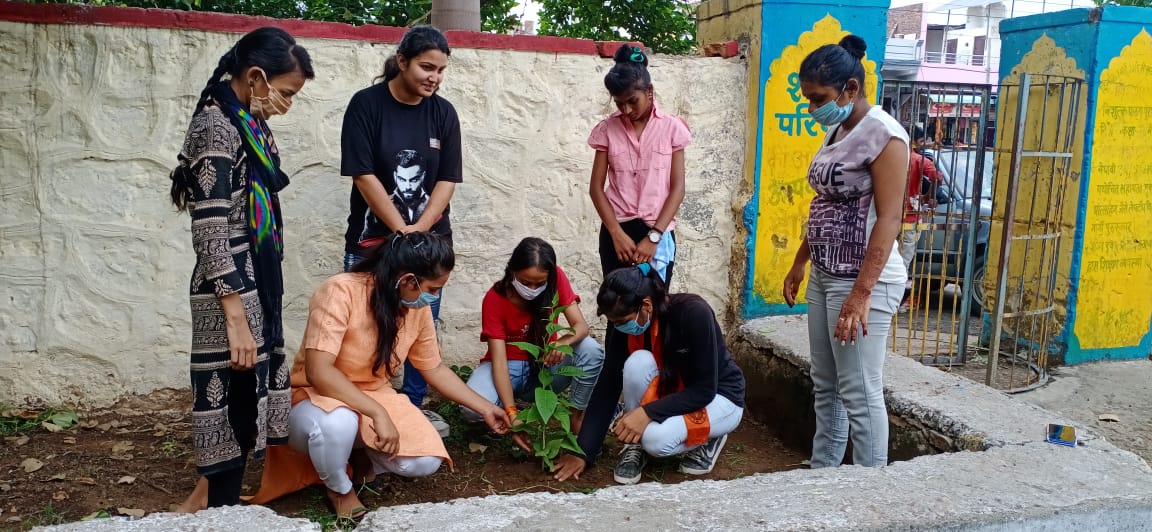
column 14, row 11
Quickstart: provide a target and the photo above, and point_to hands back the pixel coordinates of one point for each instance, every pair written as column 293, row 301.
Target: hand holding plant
column 497, row 419
column 547, row 424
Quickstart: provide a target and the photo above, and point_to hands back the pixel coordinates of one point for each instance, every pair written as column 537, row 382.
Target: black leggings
column 637, row 230
column 224, row 486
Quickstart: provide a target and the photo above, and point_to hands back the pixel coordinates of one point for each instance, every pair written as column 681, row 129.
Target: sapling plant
column 548, row 422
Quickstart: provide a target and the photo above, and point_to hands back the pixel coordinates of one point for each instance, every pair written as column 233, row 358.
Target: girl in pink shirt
column 638, row 175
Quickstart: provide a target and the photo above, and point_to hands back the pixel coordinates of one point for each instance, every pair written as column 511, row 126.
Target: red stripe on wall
column 229, row 23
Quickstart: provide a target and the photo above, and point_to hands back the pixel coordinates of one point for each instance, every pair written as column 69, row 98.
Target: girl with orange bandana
column 682, row 391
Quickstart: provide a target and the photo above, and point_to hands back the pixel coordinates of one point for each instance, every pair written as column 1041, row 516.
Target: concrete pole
column 456, row 14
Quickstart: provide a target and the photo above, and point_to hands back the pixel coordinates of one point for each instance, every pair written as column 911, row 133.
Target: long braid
column 181, row 177
column 227, row 63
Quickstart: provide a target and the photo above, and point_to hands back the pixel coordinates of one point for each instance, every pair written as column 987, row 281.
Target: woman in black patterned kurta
column 228, row 179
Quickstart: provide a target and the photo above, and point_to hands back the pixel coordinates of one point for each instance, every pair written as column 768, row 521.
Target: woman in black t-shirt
column 400, row 144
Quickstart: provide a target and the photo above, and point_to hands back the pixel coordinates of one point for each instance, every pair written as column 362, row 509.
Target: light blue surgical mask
column 831, row 114
column 632, row 327
column 425, row 299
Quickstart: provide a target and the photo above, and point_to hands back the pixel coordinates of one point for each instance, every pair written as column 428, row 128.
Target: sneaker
column 631, row 464
column 701, row 460
column 442, row 427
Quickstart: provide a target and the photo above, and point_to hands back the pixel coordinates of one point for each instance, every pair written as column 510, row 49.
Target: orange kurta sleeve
column 329, row 311
column 425, row 352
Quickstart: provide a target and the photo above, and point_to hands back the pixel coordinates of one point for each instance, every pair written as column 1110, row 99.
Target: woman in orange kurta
column 361, row 327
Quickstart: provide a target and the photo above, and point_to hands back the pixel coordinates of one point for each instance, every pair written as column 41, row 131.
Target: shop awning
column 955, row 105
column 967, row 99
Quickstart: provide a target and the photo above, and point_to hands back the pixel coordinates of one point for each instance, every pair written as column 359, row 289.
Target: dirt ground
column 135, row 459
column 1088, row 391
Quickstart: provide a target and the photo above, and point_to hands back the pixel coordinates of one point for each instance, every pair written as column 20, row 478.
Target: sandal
column 356, row 515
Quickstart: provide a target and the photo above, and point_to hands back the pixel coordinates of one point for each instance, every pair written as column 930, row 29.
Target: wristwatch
column 654, row 236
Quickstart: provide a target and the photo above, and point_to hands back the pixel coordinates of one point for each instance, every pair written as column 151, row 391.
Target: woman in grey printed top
column 857, row 277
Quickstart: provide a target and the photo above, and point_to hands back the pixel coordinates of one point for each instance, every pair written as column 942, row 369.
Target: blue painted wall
column 783, row 23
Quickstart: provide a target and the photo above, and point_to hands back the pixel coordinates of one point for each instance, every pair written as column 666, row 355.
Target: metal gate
column 996, row 160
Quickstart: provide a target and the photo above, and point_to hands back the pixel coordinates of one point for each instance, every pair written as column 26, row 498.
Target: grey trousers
column 848, row 380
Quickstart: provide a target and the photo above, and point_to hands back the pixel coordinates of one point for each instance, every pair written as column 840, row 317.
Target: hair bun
column 630, row 53
column 855, row 46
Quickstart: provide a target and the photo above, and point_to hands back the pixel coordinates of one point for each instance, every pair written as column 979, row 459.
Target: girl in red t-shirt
column 505, row 374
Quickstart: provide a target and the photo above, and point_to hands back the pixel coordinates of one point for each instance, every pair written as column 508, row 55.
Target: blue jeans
column 415, row 387
column 667, row 438
column 848, row 380
column 588, row 355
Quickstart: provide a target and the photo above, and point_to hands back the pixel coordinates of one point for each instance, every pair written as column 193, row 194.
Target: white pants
column 667, row 438
column 908, row 240
column 328, row 439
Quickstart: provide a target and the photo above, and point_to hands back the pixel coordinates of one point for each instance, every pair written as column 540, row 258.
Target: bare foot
column 347, row 506
column 197, row 500
column 577, row 419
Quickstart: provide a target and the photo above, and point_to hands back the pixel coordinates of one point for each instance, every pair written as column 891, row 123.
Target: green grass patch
column 18, row 421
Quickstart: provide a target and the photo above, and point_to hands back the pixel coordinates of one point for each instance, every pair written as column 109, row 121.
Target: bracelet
column 511, row 411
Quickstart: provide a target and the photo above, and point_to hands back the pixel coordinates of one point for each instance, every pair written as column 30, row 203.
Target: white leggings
column 668, row 438
column 328, row 438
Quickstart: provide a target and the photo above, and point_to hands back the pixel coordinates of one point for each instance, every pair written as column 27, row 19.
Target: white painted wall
column 94, row 262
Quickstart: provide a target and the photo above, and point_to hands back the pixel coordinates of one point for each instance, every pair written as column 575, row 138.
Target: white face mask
column 528, row 293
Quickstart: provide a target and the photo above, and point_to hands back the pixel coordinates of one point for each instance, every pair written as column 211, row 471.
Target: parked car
column 940, row 248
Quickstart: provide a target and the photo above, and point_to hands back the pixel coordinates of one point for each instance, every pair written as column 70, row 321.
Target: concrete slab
column 1085, row 392
column 991, row 489
column 230, row 519
column 1016, row 482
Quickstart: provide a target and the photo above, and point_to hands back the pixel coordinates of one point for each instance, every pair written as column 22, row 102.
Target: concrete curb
column 976, row 417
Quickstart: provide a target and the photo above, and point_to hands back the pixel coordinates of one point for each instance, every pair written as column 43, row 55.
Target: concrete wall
column 1108, row 272
column 740, row 21
column 777, row 213
column 94, row 262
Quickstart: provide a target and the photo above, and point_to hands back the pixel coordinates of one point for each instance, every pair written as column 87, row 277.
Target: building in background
column 949, row 49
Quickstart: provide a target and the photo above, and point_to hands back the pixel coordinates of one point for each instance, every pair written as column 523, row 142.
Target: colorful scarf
column 265, row 180
column 262, row 219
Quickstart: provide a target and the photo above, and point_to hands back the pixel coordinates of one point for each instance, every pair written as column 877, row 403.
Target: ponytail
column 226, row 65
column 391, row 69
column 425, row 255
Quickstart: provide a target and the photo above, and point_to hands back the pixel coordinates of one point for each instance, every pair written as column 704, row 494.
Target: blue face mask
column 831, row 114
column 632, row 327
column 425, row 299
